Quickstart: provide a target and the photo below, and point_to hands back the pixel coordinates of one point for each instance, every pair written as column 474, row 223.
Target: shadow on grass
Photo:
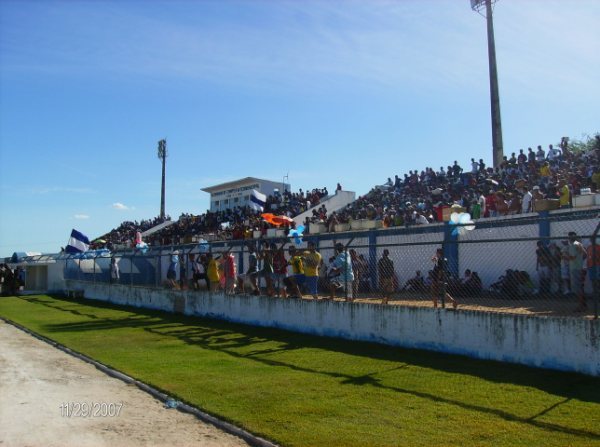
column 229, row 337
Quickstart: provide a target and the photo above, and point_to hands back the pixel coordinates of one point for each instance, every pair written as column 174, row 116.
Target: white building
column 237, row 193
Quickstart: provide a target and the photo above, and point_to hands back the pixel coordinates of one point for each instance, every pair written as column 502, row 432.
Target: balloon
column 142, row 246
column 462, row 222
column 297, row 234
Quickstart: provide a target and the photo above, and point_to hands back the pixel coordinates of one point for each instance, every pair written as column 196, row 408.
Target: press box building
column 237, row 193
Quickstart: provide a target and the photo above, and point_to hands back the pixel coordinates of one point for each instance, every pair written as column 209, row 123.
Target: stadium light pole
column 498, row 150
column 162, row 154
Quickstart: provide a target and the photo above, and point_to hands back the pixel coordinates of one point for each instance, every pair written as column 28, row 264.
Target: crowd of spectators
column 124, row 234
column 516, row 186
column 523, row 183
column 235, row 223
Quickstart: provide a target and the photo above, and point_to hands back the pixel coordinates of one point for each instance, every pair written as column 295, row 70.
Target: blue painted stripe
column 451, row 248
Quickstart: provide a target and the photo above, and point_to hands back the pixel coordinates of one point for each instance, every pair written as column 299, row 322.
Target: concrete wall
column 568, row 344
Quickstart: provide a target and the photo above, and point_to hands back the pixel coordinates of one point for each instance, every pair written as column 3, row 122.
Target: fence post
column 451, row 248
column 544, row 226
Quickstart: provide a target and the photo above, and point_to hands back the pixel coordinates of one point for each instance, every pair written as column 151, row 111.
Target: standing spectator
column 482, row 203
column 252, row 272
column 312, row 262
column 298, row 270
column 182, row 272
column 385, row 270
column 440, row 278
column 198, row 272
column 115, row 274
column 268, row 269
column 280, row 265
column 540, row 155
column 173, row 270
column 342, row 269
column 362, row 270
column 214, row 276
column 555, row 268
column 565, row 194
column 576, row 254
column 526, row 201
column 356, row 266
column 229, row 271
column 544, row 267
column 553, row 153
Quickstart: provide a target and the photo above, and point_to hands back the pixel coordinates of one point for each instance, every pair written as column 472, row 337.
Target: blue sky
column 348, row 91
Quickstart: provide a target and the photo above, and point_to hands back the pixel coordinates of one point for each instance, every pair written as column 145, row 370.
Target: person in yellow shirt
column 297, row 264
column 545, row 170
column 213, row 273
column 565, row 194
column 312, row 262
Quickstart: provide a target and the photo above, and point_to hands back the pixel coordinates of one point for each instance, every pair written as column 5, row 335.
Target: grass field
column 300, row 390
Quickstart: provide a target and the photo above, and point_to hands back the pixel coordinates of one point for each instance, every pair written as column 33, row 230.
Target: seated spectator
column 416, row 283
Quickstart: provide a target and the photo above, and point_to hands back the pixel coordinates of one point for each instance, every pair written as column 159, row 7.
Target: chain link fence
column 537, row 264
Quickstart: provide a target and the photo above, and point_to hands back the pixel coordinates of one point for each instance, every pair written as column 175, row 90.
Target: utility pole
column 498, row 149
column 162, row 154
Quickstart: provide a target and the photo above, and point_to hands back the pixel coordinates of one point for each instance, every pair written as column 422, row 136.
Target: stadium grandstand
column 528, row 181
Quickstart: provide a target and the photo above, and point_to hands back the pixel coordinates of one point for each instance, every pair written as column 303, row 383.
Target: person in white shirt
column 481, row 201
column 474, row 166
column 553, row 153
column 420, row 219
column 526, row 201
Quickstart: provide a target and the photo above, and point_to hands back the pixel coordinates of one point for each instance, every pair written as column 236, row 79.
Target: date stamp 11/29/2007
column 90, row 409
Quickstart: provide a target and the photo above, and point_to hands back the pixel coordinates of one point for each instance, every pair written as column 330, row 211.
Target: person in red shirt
column 229, row 270
column 490, row 205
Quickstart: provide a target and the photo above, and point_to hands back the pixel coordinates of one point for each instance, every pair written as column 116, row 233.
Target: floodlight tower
column 162, row 154
column 484, row 7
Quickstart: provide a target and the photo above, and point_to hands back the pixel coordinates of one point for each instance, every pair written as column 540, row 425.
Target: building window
column 216, row 203
column 236, row 200
column 226, row 202
column 246, row 198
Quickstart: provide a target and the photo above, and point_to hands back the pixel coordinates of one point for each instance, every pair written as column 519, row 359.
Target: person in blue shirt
column 341, row 273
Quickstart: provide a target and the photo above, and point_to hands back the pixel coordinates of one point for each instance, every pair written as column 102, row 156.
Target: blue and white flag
column 257, row 200
column 78, row 243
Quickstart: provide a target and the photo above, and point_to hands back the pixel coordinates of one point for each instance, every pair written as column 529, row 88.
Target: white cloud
column 81, row 216
column 120, row 206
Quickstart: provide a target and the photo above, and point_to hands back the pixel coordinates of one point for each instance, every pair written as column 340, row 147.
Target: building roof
column 235, row 184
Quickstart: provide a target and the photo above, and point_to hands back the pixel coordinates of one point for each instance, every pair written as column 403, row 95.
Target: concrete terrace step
column 333, row 203
column 158, row 227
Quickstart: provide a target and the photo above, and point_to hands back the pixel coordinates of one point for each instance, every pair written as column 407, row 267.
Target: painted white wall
column 334, row 202
column 568, row 344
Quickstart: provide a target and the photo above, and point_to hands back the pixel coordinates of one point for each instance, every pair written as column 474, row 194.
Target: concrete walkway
column 38, row 383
